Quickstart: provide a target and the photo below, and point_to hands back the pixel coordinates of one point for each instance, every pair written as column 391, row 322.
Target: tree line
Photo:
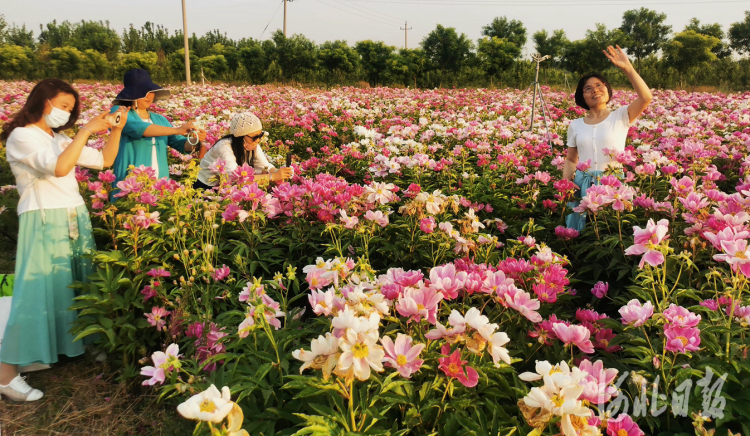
column 698, row 55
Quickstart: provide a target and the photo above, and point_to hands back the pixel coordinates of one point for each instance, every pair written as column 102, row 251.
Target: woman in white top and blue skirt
column 241, row 146
column 601, row 128
column 54, row 227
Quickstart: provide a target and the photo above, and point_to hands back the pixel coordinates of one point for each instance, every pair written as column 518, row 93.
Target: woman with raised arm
column 54, row 231
column 601, row 128
column 148, row 134
column 241, row 146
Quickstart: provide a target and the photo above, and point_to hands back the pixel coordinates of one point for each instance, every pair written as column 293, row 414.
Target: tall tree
column 739, row 35
column 690, row 49
column 407, row 65
column 254, row 59
column 55, row 35
column 338, row 58
column 3, row 29
column 645, row 32
column 20, row 36
column 95, row 35
column 511, row 31
column 551, row 45
column 496, row 55
column 295, row 55
column 374, row 56
column 586, row 55
column 446, row 49
column 722, row 50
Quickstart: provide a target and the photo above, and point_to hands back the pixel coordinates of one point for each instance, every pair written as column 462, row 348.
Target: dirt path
column 83, row 398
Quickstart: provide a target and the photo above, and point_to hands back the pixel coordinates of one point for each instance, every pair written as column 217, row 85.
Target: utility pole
column 406, row 35
column 187, row 49
column 285, row 18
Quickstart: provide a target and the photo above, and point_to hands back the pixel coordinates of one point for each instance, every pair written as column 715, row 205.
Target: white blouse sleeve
column 572, row 136
column 226, row 154
column 91, row 158
column 261, row 161
column 23, row 147
column 623, row 117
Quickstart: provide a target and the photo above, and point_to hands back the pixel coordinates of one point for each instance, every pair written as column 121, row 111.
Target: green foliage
column 66, row 61
column 739, row 35
column 645, row 32
column 551, row 45
column 690, row 49
column 374, row 59
column 17, row 62
column 512, row 31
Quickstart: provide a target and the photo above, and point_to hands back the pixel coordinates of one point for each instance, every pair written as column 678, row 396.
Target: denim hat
column 137, row 84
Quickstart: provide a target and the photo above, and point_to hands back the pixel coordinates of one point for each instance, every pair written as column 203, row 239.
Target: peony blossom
column 647, row 241
column 157, row 317
column 210, row 405
column 576, row 335
column 402, row 355
column 452, row 366
column 681, row 339
column 636, row 315
column 623, row 426
column 164, row 362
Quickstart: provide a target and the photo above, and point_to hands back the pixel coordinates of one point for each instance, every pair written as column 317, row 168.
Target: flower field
column 416, row 276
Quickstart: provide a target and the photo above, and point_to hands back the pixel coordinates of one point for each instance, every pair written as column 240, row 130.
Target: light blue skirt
column 48, row 261
column 585, row 180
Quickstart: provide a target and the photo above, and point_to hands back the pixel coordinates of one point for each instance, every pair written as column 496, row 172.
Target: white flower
column 360, row 352
column 323, row 354
column 496, row 348
column 478, row 322
column 210, row 405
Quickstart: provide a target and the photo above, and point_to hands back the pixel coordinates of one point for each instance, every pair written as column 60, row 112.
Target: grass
column 82, row 398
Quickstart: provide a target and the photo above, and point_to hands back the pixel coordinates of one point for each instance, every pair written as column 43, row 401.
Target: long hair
column 33, row 109
column 238, row 148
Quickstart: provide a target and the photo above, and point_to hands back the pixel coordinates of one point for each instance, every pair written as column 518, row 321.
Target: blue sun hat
column 137, row 84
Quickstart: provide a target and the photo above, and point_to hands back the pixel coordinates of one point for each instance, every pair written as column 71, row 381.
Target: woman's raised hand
column 618, row 57
column 185, row 128
column 282, row 173
column 100, row 123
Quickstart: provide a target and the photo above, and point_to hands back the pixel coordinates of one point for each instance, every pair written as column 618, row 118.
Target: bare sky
column 356, row 20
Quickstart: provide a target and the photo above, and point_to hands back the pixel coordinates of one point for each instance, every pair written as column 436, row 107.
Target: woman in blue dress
column 147, row 134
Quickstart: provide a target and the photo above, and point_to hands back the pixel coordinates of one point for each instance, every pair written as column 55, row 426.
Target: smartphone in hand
column 288, row 160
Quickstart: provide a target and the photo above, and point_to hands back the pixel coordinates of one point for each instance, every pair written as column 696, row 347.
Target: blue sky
column 355, row 20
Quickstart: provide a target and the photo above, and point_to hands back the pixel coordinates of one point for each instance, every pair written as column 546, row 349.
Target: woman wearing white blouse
column 601, row 128
column 54, row 227
column 241, row 146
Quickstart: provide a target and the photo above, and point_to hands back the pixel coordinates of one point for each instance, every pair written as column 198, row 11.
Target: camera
column 114, row 119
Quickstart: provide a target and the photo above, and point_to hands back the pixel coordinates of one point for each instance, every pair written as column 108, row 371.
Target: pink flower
column 418, row 303
column 220, row 274
column 566, row 233
column 107, row 176
column 598, row 388
column 453, row 367
column 427, row 225
column 678, row 316
column 164, row 362
column 446, row 280
column 402, row 355
column 148, row 292
column 584, row 166
column 147, row 198
column 318, row 278
column 524, row 304
column 577, row 335
column 495, row 283
column 681, row 339
column 636, row 315
column 603, row 338
column 647, row 241
column 247, row 325
column 377, row 216
column 623, row 426
column 158, row 272
column 157, row 317
column 736, row 254
column 710, row 304
column 349, row 222
column 600, row 289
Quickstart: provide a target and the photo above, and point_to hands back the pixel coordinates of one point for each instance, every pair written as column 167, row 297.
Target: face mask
column 57, row 117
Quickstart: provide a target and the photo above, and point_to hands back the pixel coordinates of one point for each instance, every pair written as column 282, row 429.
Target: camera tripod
column 536, row 89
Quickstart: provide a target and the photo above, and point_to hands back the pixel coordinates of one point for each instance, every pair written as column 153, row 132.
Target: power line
column 537, row 3
column 378, row 19
column 269, row 21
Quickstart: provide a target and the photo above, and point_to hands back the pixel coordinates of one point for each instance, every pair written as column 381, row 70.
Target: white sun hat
column 245, row 123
